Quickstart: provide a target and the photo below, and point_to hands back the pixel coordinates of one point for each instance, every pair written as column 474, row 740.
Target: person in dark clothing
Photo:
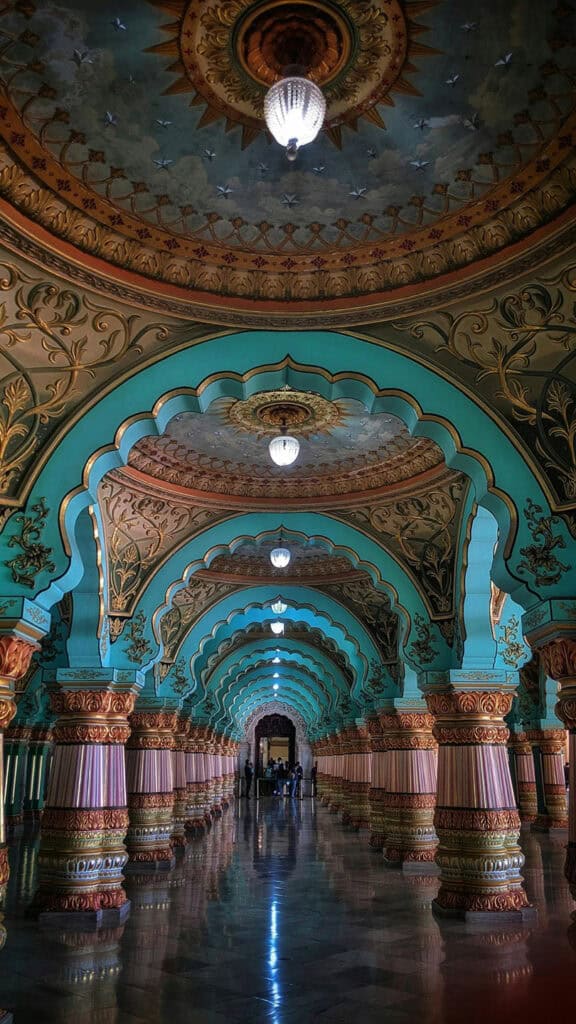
column 248, row 776
column 299, row 776
column 280, row 778
column 314, row 775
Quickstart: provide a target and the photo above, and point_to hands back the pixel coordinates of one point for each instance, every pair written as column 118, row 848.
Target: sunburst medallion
column 228, row 54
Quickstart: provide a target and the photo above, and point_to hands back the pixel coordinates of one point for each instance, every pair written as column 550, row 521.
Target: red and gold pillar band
column 525, row 777
column 150, row 780
column 377, row 784
column 476, row 817
column 180, row 782
column 552, row 745
column 15, row 656
column 409, row 798
column 559, row 656
column 82, row 850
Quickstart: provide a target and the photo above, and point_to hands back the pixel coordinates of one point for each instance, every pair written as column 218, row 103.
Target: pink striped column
column 82, row 850
column 197, row 807
column 476, row 817
column 552, row 744
column 556, row 644
column 410, row 786
column 525, row 777
column 150, row 780
column 359, row 774
column 378, row 783
column 180, row 782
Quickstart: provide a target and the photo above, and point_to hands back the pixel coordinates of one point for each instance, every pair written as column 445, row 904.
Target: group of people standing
column 287, row 778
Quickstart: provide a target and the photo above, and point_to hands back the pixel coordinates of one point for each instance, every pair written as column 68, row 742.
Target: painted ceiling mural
column 446, row 139
column 146, row 215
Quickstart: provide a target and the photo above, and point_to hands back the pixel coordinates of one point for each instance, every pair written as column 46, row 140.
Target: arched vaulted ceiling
column 141, row 201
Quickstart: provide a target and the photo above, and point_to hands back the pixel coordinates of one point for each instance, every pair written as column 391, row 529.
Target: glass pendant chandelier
column 280, row 557
column 277, row 628
column 278, row 607
column 284, row 449
column 294, row 111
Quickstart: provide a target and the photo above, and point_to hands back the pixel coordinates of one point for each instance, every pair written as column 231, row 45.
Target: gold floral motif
column 34, row 557
column 422, row 649
column 137, row 645
column 538, row 558
column 512, row 648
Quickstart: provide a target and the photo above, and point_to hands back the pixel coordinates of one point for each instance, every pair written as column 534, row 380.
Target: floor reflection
column 280, row 915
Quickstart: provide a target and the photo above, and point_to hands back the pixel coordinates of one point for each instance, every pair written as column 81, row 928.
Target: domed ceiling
column 137, row 136
column 344, row 450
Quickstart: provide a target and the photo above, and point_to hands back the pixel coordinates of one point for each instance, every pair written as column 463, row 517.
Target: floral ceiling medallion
column 268, row 411
column 227, row 56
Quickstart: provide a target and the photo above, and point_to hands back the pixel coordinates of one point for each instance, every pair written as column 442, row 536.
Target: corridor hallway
column 281, row 915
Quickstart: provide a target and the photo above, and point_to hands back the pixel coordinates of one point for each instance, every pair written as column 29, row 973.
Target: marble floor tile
column 271, row 919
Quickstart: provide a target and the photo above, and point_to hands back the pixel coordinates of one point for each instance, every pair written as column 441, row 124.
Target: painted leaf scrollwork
column 538, row 559
column 56, row 345
column 521, row 350
column 422, row 649
column 34, row 557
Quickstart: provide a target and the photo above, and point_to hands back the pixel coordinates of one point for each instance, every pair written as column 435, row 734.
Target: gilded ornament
column 138, row 646
column 34, row 557
column 538, row 558
column 512, row 648
column 422, row 649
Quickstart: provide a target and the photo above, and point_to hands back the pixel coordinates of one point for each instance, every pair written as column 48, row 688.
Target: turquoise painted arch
column 383, row 379
column 306, row 655
column 318, row 696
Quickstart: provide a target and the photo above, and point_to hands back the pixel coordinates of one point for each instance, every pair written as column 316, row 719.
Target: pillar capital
column 153, row 729
column 470, row 716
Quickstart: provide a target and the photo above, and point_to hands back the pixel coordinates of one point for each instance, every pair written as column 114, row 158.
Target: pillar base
column 422, row 867
column 488, row 918
column 6, row 1017
column 84, row 920
column 544, row 823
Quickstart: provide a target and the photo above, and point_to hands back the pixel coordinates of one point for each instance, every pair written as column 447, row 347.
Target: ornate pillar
column 82, row 851
column 377, row 784
column 150, row 781
column 521, row 749
column 197, row 807
column 180, row 782
column 359, row 775
column 550, row 628
column 16, row 749
column 15, row 654
column 476, row 817
column 39, row 756
column 552, row 744
column 409, row 799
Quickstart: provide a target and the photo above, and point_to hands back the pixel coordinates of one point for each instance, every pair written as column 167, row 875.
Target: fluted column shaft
column 410, row 786
column 16, row 750
column 377, row 784
column 15, row 656
column 476, row 817
column 552, row 744
column 198, row 815
column 39, row 759
column 150, row 780
column 559, row 656
column 525, row 777
column 180, row 782
column 82, row 851
column 359, row 774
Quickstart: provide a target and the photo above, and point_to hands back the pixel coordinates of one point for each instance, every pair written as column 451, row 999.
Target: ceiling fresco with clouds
column 146, row 119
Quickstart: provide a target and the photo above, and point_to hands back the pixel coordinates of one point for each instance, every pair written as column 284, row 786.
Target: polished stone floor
column 282, row 916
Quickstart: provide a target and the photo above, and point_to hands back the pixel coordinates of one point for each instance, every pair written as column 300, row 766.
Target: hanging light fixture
column 280, row 557
column 275, row 686
column 284, row 449
column 275, row 661
column 276, row 675
column 294, row 111
column 277, row 628
column 279, row 607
